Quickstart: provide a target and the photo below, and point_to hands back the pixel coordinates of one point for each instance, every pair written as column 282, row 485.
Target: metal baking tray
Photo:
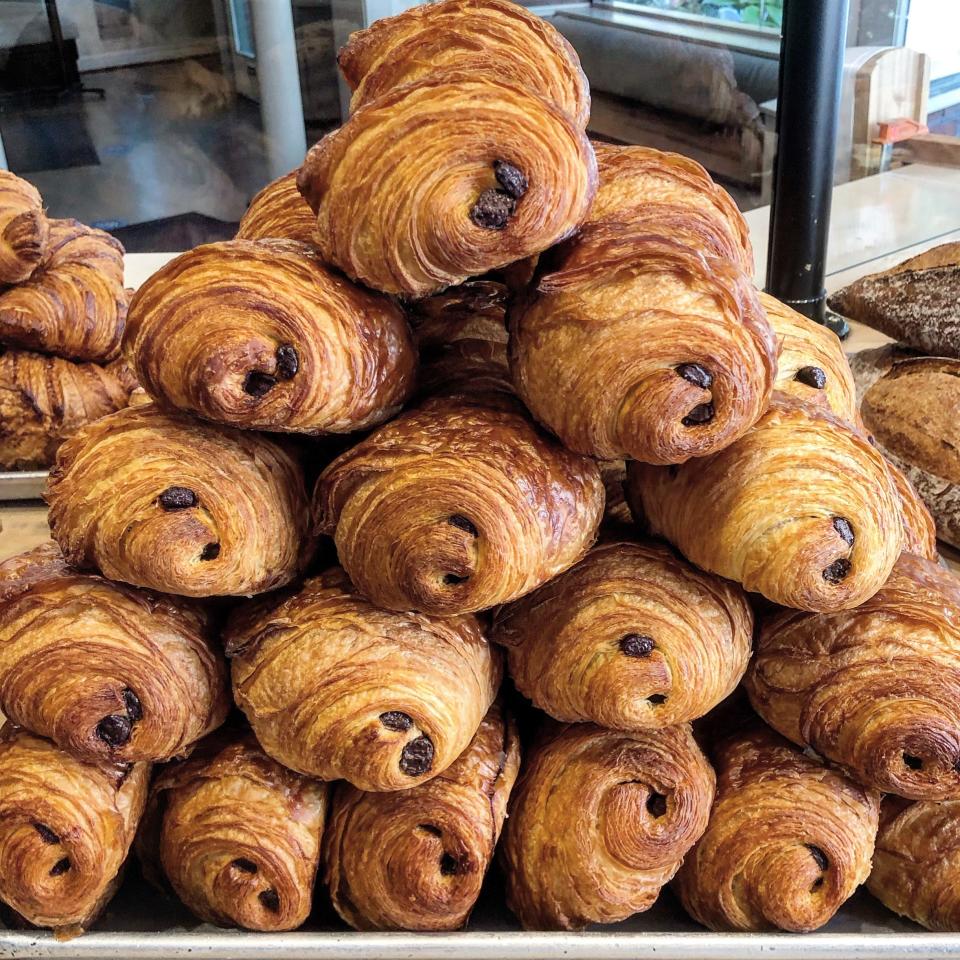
column 143, row 925
column 22, row 485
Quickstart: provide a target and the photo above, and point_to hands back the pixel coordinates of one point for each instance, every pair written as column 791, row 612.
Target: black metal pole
column 808, row 103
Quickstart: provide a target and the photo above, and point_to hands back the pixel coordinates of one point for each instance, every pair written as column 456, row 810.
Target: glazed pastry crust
column 236, row 835
column 415, row 859
column 43, row 400
column 106, row 671
column 631, row 638
column 74, row 303
column 600, row 821
column 483, row 37
column 768, row 510
column 278, row 211
column 65, row 829
column 247, row 532
column 915, row 864
column 338, row 689
column 24, row 229
column 457, row 506
column 600, row 343
column 261, row 335
column 394, row 187
column 875, row 689
column 919, row 528
column 789, row 840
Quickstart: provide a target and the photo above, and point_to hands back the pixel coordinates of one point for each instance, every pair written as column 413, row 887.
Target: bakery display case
column 477, row 479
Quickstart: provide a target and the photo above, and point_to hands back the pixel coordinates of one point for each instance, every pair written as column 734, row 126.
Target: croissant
column 916, row 861
column 260, row 334
column 919, row 529
column 632, row 637
column 236, row 835
column 74, row 303
column 45, row 399
column 462, row 337
column 336, row 688
column 801, row 509
column 641, row 339
column 415, row 859
column 106, row 671
column 789, row 839
column 483, row 37
column 410, row 198
column 812, row 365
column 66, row 826
column 876, row 689
column 163, row 501
column 278, row 211
column 457, row 506
column 599, row 821
column 24, row 229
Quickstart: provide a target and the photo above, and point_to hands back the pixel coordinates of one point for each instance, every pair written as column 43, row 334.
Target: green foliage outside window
column 754, row 13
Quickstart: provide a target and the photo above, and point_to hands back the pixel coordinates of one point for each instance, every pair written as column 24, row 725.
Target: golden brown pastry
column 633, row 637
column 24, row 228
column 801, row 509
column 412, row 197
column 106, row 671
column 278, row 211
column 74, row 303
column 491, row 38
column 457, row 506
column 876, row 689
column 338, row 689
column 259, row 334
column 916, row 864
column 641, row 338
column 616, row 511
column 462, row 337
column 161, row 500
column 812, row 365
column 45, row 399
column 66, row 826
column 599, row 821
column 236, row 835
column 919, row 529
column 789, row 839
column 415, row 859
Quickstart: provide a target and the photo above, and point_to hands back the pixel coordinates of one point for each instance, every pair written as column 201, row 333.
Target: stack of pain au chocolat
column 472, row 398
column 62, row 310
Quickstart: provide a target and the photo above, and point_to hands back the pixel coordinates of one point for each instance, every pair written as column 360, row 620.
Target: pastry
column 236, row 835
column 616, row 511
column 919, row 530
column 789, row 839
column 45, row 399
column 415, row 859
column 336, row 688
column 259, row 334
column 278, row 211
column 74, row 302
column 632, row 637
column 462, row 337
column 599, row 821
column 801, row 509
column 642, row 338
column 916, row 302
column 457, row 506
column 812, row 366
column 875, row 690
column 917, row 860
column 163, row 501
column 66, row 826
column 23, row 228
column 410, row 198
column 106, row 671
column 491, row 38
column 911, row 405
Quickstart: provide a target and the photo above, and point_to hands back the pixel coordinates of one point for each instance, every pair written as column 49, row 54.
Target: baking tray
column 143, row 925
column 22, row 485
